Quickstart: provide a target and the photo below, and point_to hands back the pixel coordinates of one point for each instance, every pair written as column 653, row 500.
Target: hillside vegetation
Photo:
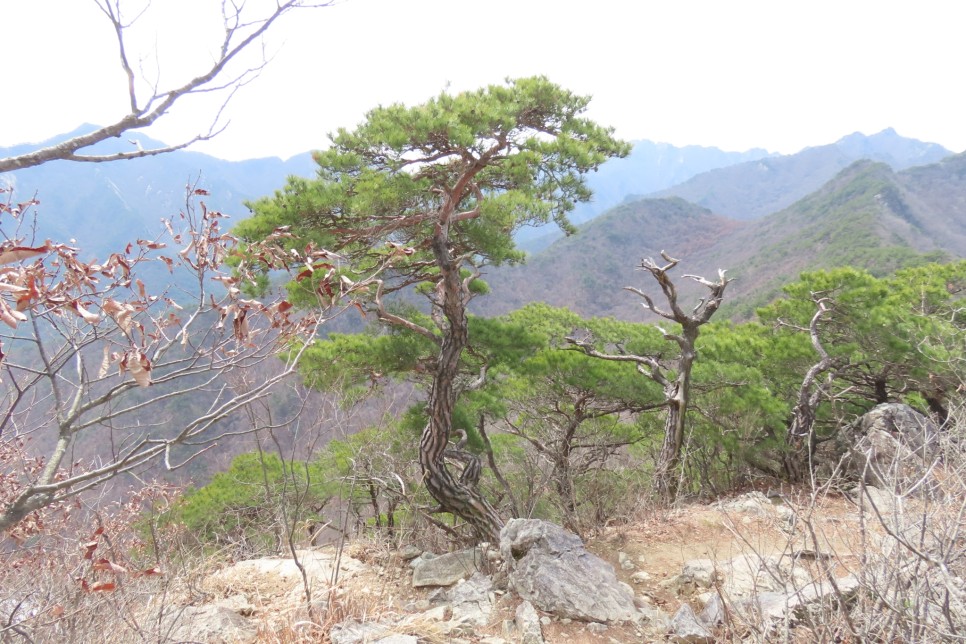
column 472, row 389
column 867, row 216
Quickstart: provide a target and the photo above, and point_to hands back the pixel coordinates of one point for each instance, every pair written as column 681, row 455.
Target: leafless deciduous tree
column 675, row 375
column 242, row 31
column 94, row 356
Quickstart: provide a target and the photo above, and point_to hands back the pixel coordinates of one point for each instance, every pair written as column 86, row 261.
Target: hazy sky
column 735, row 74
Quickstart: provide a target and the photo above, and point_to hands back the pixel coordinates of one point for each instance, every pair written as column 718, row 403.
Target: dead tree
column 673, row 375
column 801, row 439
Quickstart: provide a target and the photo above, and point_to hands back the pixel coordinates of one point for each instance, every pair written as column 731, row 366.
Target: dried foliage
column 96, row 354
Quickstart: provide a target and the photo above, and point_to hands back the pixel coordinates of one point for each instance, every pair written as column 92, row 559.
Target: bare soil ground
column 658, row 544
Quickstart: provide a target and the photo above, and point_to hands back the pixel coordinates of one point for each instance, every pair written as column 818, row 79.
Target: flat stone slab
column 446, row 570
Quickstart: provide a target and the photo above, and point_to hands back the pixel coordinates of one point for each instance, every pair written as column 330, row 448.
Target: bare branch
column 113, row 320
column 143, row 113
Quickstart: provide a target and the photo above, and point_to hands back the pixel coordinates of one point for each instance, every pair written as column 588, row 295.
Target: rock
column 398, row 639
column 437, row 596
column 279, row 576
column 409, row 552
column 353, row 632
column 891, row 447
column 768, row 607
column 550, row 567
column 714, row 612
column 446, row 570
column 873, row 499
column 527, row 624
column 596, row 628
column 686, row 629
column 211, row 623
column 640, row 577
column 471, row 600
column 754, row 503
column 915, row 431
column 746, row 575
column 625, row 561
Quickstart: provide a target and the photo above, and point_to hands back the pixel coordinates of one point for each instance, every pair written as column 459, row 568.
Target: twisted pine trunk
column 453, row 496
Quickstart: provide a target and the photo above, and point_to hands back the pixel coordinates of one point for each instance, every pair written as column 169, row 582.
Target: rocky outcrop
column 895, row 444
column 550, row 567
column 279, row 576
column 751, row 589
column 891, row 446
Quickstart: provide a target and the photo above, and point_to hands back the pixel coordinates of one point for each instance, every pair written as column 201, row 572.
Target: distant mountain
column 868, row 216
column 649, row 167
column 103, row 206
column 654, row 166
column 756, row 188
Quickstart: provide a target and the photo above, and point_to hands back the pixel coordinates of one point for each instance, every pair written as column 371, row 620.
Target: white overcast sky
column 736, row 74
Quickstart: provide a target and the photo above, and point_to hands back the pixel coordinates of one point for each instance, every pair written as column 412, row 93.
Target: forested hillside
column 868, row 216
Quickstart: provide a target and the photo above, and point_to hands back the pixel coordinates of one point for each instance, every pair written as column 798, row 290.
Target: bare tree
column 674, row 376
column 242, row 32
column 801, row 437
column 94, row 357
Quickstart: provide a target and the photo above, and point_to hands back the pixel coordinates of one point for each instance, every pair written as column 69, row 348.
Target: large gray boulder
column 893, row 445
column 550, row 567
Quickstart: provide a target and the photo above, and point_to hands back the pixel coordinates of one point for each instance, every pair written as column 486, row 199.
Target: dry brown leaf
column 90, row 318
column 18, row 253
column 140, row 368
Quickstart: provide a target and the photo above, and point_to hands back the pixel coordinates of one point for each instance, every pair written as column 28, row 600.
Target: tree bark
column 800, row 438
column 453, row 496
column 678, row 396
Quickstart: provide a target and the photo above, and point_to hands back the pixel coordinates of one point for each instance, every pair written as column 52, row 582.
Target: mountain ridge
column 102, row 207
column 868, row 215
column 756, row 188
